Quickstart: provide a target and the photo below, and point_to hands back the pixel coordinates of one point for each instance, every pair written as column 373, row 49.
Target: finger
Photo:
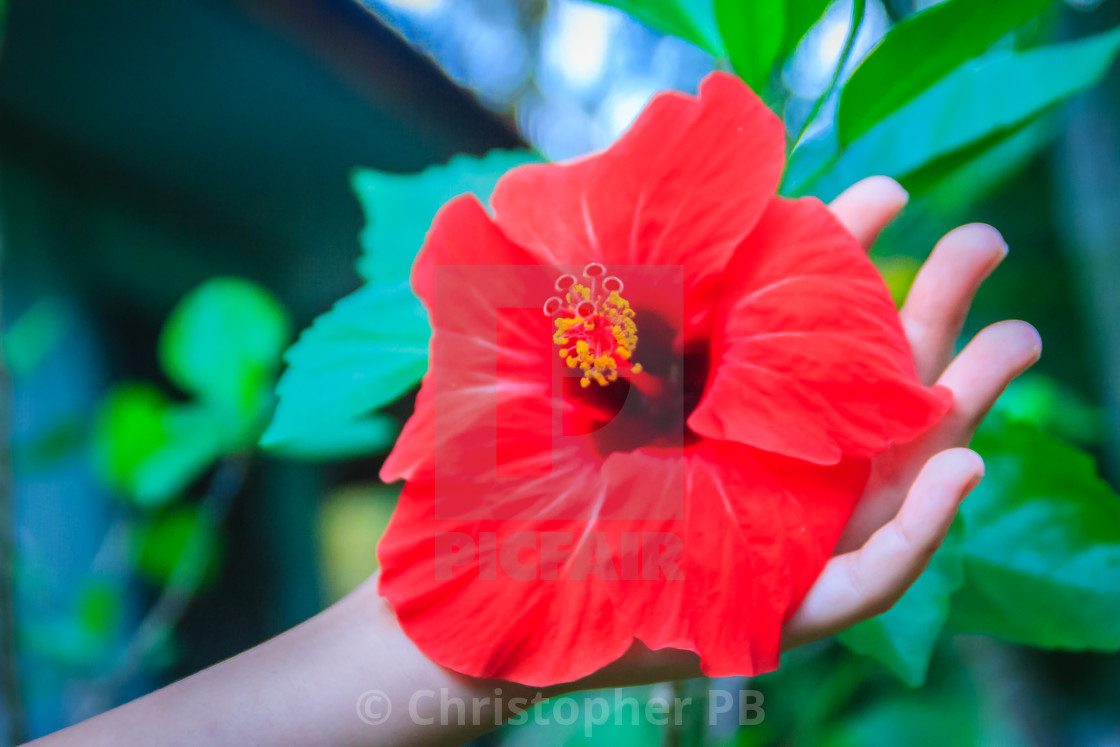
column 868, row 581
column 978, row 376
column 942, row 292
column 866, row 207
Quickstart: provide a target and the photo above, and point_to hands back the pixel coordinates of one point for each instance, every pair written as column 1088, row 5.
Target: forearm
column 313, row 685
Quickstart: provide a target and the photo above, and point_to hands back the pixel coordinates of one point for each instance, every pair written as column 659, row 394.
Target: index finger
column 866, row 207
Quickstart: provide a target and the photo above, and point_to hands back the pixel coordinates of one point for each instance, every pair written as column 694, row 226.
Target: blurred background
column 178, row 199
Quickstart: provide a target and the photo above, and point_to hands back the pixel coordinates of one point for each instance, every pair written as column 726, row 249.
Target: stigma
column 595, row 326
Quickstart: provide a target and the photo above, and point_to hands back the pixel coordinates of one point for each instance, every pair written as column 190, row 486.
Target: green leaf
column 129, row 428
column 982, row 100
column 903, row 638
column 99, row 608
column 959, row 180
column 912, row 719
column 614, row 717
column 691, row 20
column 179, row 538
column 801, row 15
column 753, row 32
column 399, row 207
column 814, row 687
column 1052, row 407
column 223, row 343
column 367, row 351
column 36, row 333
column 921, row 51
column 151, row 449
column 196, row 437
column 344, row 439
column 1041, row 547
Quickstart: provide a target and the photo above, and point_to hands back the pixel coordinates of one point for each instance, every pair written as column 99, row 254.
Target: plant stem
column 858, row 7
column 181, row 586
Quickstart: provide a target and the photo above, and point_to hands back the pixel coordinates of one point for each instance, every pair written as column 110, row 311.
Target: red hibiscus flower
column 669, row 452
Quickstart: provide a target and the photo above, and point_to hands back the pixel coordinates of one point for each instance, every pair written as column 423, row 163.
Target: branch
column 181, row 586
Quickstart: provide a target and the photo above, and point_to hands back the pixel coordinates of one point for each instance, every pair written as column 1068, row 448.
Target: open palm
column 915, row 488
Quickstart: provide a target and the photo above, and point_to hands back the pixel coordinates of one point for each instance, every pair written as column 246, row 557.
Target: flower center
column 595, row 326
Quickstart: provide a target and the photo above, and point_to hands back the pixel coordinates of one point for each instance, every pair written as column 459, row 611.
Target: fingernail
column 976, row 478
column 890, row 190
column 1004, row 249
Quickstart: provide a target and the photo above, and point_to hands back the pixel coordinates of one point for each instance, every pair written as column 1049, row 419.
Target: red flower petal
column 733, row 538
column 462, row 234
column 810, row 359
column 683, row 186
column 509, row 600
column 416, row 443
column 756, row 532
column 529, row 630
column 474, row 282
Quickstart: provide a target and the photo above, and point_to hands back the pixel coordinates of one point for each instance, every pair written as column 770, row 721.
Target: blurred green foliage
column 164, row 457
column 348, row 519
column 150, row 448
column 222, row 344
column 621, row 717
column 177, row 537
column 904, row 637
column 1041, row 545
column 35, row 333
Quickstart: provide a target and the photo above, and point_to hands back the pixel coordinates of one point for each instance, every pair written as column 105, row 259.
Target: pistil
column 595, row 327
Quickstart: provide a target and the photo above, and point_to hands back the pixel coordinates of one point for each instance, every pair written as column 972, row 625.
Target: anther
column 595, row 326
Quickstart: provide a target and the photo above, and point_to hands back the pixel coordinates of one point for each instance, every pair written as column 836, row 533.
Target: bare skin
column 308, row 685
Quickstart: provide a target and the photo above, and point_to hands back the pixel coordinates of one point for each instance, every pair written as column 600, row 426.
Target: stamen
column 595, row 326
